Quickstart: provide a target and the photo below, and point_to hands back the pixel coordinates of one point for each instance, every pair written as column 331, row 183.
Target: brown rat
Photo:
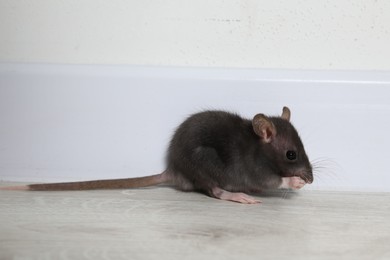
column 222, row 155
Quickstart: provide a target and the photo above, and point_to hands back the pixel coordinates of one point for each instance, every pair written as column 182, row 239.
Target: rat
column 222, row 155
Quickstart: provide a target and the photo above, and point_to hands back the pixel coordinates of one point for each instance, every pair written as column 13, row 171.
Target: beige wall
column 323, row 34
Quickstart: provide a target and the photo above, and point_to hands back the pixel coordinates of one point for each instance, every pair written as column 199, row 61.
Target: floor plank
column 162, row 223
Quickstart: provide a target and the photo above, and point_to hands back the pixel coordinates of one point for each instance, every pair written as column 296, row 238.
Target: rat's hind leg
column 233, row 196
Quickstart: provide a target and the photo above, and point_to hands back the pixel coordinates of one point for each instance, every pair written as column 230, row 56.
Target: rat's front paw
column 292, row 183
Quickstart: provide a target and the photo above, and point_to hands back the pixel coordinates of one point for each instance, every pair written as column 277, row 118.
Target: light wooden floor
column 162, row 223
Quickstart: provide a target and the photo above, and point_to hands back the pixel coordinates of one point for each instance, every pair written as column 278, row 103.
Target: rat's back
column 209, row 129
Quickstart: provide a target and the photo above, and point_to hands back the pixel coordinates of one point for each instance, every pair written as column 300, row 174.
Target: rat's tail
column 97, row 184
column 25, row 187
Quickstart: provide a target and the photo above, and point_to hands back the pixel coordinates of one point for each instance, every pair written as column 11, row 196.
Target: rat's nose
column 309, row 178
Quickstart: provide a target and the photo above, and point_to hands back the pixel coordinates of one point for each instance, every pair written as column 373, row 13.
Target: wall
column 62, row 123
column 323, row 34
column 81, row 122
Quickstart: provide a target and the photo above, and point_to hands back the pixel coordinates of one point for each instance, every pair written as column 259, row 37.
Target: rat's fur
column 220, row 149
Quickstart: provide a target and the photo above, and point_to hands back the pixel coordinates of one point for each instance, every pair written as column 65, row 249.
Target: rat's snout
column 307, row 174
column 308, row 177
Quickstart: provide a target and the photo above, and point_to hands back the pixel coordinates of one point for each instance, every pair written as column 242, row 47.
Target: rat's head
column 283, row 145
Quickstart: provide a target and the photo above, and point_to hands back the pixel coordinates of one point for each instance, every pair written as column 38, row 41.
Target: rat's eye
column 291, row 155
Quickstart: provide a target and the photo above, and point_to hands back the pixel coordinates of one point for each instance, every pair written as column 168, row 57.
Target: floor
column 162, row 223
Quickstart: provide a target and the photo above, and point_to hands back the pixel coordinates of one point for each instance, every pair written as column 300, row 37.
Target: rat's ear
column 264, row 128
column 286, row 115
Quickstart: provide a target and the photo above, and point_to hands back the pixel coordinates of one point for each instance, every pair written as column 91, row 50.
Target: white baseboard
column 64, row 122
